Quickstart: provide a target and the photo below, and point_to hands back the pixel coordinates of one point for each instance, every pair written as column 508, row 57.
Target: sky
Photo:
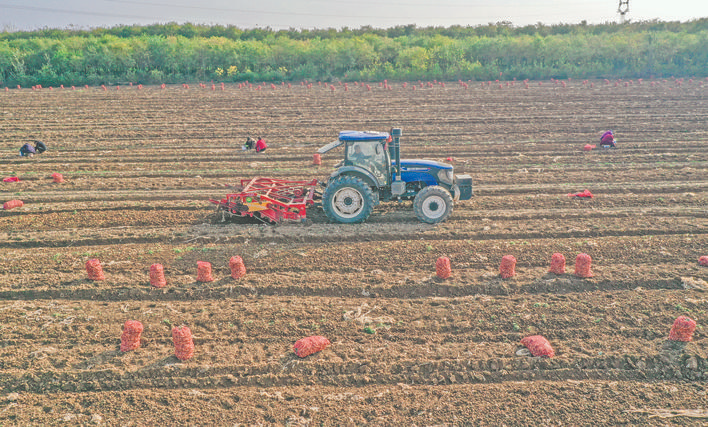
column 308, row 14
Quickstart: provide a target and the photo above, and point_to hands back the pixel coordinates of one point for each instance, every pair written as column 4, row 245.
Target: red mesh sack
column 57, row 177
column 682, row 329
column 582, row 265
column 12, row 204
column 585, row 193
column 557, row 264
column 130, row 340
column 588, row 147
column 204, row 272
column 238, row 270
column 317, row 159
column 507, row 266
column 157, row 276
column 538, row 346
column 703, row 261
column 11, row 179
column 310, row 345
column 442, row 267
column 94, row 270
column 184, row 344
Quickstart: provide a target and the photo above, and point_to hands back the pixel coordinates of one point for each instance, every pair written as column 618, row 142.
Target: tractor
column 372, row 171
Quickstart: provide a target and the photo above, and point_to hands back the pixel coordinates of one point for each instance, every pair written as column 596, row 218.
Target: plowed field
column 406, row 347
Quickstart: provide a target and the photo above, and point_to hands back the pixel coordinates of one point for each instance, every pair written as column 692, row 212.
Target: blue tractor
column 372, row 171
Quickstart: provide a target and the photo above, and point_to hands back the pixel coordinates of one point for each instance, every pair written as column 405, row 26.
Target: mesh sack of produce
column 238, row 269
column 682, row 329
column 184, row 344
column 538, row 346
column 57, row 177
column 204, row 272
column 94, row 270
column 703, row 261
column 12, row 204
column 310, row 345
column 507, row 267
column 157, row 276
column 557, row 264
column 582, row 265
column 130, row 339
column 442, row 268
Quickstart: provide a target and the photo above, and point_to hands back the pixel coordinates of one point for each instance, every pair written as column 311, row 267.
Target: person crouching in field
column 260, row 145
column 607, row 140
column 28, row 150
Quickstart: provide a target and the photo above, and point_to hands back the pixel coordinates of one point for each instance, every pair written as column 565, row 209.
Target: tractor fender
column 362, row 173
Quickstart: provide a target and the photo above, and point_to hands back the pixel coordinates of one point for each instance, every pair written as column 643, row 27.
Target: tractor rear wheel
column 348, row 199
column 432, row 204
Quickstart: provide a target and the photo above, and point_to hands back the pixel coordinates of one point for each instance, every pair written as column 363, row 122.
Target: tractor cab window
column 369, row 155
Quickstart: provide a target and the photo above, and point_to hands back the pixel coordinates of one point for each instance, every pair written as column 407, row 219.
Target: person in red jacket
column 260, row 145
column 608, row 139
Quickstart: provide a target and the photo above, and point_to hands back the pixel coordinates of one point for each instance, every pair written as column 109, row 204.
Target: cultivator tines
column 271, row 199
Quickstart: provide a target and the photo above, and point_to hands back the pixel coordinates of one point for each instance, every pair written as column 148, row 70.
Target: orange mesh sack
column 130, row 340
column 238, row 270
column 682, row 329
column 317, row 159
column 184, row 344
column 12, row 204
column 94, row 270
column 204, row 272
column 507, row 266
column 582, row 265
column 310, row 345
column 57, row 177
column 538, row 346
column 557, row 264
column 157, row 276
column 442, row 268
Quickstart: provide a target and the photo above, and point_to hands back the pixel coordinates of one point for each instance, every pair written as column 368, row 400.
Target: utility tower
column 622, row 9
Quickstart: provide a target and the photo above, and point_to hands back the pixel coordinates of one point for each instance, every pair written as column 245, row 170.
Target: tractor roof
column 355, row 135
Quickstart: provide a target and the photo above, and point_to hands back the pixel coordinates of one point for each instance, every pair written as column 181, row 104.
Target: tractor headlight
column 446, row 176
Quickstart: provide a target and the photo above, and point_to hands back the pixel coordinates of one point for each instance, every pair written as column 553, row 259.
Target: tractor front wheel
column 348, row 199
column 432, row 204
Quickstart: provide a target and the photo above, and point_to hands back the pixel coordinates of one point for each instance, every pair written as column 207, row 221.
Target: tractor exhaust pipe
column 398, row 187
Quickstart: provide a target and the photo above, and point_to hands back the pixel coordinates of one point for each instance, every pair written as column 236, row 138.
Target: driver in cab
column 358, row 157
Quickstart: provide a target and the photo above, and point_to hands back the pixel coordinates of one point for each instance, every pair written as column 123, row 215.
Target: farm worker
column 260, row 145
column 40, row 147
column 358, row 156
column 27, row 151
column 249, row 143
column 607, row 139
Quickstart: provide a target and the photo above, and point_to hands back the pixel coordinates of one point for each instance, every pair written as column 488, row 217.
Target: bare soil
column 407, row 348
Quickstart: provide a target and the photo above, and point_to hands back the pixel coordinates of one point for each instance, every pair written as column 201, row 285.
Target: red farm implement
column 275, row 200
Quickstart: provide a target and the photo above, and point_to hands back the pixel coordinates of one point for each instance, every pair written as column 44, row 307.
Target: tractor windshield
column 369, row 155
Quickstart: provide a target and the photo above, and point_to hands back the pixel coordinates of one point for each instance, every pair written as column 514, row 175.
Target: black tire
column 432, row 204
column 348, row 199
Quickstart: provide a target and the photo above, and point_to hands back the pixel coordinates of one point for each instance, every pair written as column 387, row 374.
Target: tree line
column 173, row 53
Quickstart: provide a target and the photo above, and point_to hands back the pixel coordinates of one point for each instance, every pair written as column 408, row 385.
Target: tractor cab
column 370, row 155
column 366, row 154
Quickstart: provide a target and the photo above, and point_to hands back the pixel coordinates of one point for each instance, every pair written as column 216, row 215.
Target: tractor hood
column 422, row 164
